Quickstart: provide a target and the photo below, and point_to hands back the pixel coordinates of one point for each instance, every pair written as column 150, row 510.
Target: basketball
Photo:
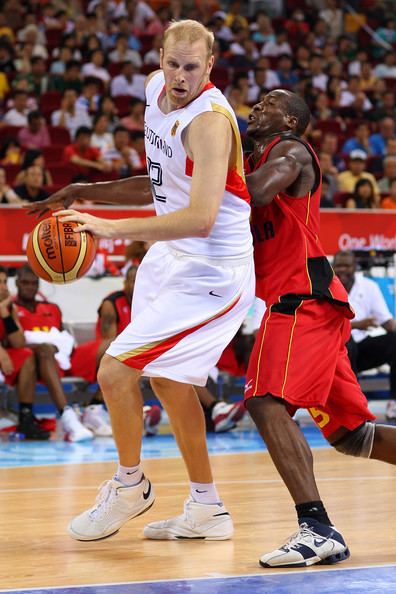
column 59, row 254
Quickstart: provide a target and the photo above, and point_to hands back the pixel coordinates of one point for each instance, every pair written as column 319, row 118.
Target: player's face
column 27, row 286
column 269, row 116
column 186, row 69
column 3, row 286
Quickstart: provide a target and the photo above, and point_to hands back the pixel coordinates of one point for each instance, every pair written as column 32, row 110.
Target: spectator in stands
column 6, row 32
column 262, row 30
column 90, row 95
column 287, row 77
column 33, row 157
column 107, row 107
column 280, row 46
column 234, row 16
column 11, row 152
column 355, row 66
column 32, row 189
column 367, row 79
column 353, row 97
column 326, row 197
column 128, row 82
column 35, row 135
column 37, row 79
column 387, row 68
column 242, row 111
column 70, row 115
column 333, row 91
column 334, row 18
column 329, row 145
column 71, row 79
column 220, row 30
column 135, row 119
column 331, row 173
column 162, row 20
column 84, row 156
column 363, row 196
column 153, row 55
column 378, row 140
column 385, row 37
column 123, row 158
column 17, row 115
column 262, row 77
column 356, row 170
column 389, row 165
column 385, row 107
column 318, row 76
column 371, row 311
column 40, row 317
column 95, row 67
column 359, row 141
column 58, row 67
column 32, row 34
column 296, row 26
column 90, row 44
column 101, row 138
column 122, row 27
column 137, row 143
column 322, row 110
column 17, row 364
column 6, row 57
column 7, row 194
column 391, row 147
column 122, row 52
column 72, row 40
column 389, row 202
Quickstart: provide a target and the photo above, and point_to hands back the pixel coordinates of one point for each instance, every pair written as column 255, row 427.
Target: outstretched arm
column 285, row 163
column 131, row 191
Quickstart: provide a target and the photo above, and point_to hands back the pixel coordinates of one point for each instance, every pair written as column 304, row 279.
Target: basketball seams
column 54, row 276
column 72, row 274
column 60, row 249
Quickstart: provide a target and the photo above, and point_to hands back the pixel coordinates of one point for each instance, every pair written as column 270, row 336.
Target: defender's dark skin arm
column 131, row 191
column 289, row 168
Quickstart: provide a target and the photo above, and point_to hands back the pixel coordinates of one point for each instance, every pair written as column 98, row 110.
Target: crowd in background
column 72, row 86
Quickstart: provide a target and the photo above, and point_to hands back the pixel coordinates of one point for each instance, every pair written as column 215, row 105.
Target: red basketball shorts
column 18, row 358
column 301, row 357
column 84, row 360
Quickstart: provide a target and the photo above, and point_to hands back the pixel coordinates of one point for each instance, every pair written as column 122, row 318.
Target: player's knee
column 263, row 408
column 358, row 442
column 45, row 351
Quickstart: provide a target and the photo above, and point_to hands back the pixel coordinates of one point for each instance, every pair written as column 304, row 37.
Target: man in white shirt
column 366, row 351
column 70, row 116
column 17, row 115
column 128, row 83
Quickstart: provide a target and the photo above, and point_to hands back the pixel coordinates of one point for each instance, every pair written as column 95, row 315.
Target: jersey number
column 155, row 173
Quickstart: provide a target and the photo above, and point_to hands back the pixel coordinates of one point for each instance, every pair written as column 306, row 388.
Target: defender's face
column 269, row 116
column 186, row 69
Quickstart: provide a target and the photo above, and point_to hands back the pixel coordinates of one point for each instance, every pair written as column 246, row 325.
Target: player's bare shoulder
column 291, row 148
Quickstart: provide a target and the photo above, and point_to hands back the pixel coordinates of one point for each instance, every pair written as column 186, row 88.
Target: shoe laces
column 294, row 541
column 105, row 499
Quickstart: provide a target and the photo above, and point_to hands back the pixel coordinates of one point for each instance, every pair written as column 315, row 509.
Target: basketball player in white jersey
column 193, row 288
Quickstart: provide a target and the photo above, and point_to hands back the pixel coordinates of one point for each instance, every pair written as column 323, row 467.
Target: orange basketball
column 57, row 253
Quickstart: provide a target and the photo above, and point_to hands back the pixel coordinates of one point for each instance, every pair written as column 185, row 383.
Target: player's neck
column 261, row 144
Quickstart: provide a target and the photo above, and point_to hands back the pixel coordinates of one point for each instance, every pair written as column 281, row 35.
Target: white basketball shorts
column 185, row 310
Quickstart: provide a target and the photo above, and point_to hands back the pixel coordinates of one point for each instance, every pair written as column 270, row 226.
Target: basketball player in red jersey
column 299, row 359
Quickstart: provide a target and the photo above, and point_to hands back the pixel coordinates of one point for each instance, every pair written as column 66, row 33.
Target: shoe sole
column 330, row 560
column 153, row 534
column 77, row 536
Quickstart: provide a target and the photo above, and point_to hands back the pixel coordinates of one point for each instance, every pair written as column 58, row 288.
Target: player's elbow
column 204, row 225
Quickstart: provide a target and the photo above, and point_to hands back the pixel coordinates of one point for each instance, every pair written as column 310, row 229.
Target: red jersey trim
column 234, row 182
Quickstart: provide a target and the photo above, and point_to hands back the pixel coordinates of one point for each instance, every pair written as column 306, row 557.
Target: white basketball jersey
column 170, row 171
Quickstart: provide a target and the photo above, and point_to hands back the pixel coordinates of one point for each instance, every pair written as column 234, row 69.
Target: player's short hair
column 190, row 31
column 297, row 107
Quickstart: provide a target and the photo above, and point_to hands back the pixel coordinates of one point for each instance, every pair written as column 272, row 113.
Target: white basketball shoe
column 199, row 521
column 114, row 506
column 94, row 419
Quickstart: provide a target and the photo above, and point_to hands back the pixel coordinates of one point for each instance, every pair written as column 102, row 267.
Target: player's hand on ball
column 97, row 226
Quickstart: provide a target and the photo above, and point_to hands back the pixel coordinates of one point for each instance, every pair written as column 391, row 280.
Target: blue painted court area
column 34, row 453
column 375, row 580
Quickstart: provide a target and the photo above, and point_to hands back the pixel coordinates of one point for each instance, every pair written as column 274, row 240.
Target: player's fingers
column 66, row 212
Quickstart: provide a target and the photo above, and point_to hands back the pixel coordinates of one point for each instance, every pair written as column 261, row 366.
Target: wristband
column 9, row 324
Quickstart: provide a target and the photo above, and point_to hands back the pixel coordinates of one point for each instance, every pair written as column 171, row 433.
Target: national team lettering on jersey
column 170, row 172
column 289, row 259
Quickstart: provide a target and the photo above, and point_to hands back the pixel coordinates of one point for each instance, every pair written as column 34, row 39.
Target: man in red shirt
column 299, row 359
column 85, row 157
column 41, row 316
column 17, row 363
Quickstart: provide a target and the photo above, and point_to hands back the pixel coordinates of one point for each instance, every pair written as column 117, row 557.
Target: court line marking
column 306, row 570
column 228, row 482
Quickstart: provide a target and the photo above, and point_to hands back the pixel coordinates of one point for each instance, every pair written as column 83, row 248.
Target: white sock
column 204, row 493
column 129, row 475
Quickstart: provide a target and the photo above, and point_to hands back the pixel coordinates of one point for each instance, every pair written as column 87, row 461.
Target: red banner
column 340, row 230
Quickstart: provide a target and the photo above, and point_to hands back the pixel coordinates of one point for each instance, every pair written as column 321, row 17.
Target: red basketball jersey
column 289, row 259
column 46, row 316
column 122, row 308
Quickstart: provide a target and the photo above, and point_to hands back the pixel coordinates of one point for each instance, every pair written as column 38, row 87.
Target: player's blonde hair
column 190, row 31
